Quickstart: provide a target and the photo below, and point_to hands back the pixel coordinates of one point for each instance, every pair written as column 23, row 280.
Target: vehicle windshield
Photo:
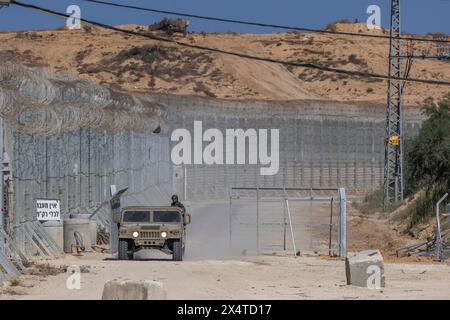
column 166, row 216
column 136, row 216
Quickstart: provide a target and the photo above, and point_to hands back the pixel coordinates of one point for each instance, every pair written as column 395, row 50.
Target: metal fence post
column 290, row 224
column 230, row 217
column 284, row 225
column 439, row 248
column 115, row 209
column 342, row 223
column 311, row 227
column 185, row 182
column 257, row 220
column 331, row 226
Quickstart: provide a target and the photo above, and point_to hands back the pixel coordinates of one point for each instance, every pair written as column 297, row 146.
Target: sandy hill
column 137, row 64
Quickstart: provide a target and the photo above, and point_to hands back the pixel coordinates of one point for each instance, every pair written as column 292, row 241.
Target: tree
column 428, row 159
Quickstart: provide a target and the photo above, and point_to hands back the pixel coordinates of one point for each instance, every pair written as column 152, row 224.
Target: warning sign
column 394, row 140
column 48, row 209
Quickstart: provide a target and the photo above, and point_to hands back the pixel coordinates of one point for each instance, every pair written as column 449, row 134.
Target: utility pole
column 393, row 162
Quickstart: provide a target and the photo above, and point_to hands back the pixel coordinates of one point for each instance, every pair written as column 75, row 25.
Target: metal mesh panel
column 335, row 147
column 78, row 167
column 261, row 219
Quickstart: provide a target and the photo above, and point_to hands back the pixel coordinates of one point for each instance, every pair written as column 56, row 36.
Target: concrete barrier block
column 133, row 290
column 365, row 269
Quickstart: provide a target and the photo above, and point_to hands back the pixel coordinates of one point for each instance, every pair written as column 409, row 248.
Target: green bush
column 427, row 165
column 423, row 207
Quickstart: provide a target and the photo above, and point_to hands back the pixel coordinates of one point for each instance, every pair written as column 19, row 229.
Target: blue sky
column 418, row 16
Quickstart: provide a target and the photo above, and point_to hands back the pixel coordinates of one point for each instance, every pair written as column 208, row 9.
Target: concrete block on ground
column 365, row 269
column 56, row 231
column 133, row 290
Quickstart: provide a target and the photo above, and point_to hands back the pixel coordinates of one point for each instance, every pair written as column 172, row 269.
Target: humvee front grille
column 149, row 234
column 150, row 227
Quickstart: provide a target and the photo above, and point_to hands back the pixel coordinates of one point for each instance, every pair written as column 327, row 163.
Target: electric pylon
column 393, row 163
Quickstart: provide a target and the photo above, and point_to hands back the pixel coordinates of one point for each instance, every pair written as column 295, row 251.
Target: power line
column 423, row 57
column 236, row 54
column 260, row 24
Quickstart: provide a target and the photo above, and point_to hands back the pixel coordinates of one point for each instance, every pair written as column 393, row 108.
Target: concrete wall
column 322, row 144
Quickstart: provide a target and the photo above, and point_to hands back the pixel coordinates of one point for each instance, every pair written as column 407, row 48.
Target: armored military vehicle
column 162, row 228
column 170, row 26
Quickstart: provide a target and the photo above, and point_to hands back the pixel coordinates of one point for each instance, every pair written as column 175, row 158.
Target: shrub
column 353, row 58
column 427, row 165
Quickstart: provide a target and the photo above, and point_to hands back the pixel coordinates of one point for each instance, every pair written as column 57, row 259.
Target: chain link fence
column 79, row 167
column 287, row 219
column 321, row 144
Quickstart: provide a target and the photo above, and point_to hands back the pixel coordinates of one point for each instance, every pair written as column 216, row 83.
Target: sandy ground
column 263, row 277
column 211, row 271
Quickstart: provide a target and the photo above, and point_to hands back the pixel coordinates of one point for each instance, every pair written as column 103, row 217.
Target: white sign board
column 48, row 209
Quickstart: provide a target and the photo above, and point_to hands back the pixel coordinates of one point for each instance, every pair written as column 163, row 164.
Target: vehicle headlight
column 135, row 234
column 163, row 234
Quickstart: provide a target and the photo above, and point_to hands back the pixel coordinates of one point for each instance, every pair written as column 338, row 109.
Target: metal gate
column 287, row 219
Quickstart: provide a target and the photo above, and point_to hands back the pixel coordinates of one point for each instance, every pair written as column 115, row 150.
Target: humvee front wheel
column 123, row 249
column 177, row 250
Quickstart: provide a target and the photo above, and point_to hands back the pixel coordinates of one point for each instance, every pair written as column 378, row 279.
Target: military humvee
column 170, row 26
column 162, row 228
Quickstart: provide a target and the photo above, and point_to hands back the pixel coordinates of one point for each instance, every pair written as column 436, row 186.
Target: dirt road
column 211, row 271
column 264, row 277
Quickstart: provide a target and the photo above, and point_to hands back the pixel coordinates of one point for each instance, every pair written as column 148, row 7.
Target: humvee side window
column 166, row 216
column 136, row 216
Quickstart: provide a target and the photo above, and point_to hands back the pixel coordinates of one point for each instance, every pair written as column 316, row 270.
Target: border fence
column 322, row 144
column 292, row 219
column 65, row 138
